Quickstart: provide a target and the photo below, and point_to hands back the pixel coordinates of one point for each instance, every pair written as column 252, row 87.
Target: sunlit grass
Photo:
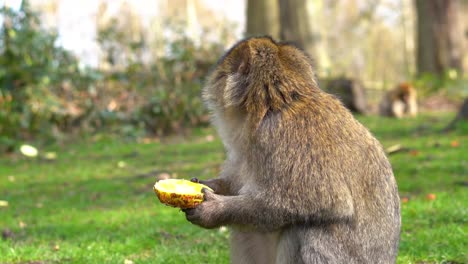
column 95, row 204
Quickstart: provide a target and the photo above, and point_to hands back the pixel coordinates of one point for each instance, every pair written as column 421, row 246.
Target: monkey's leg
column 413, row 108
column 318, row 247
column 250, row 247
column 398, row 109
column 289, row 246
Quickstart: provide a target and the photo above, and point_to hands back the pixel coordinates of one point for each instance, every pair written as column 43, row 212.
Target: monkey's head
column 258, row 76
column 405, row 91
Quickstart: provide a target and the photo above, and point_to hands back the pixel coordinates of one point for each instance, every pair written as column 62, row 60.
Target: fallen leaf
column 395, row 149
column 127, row 261
column 404, row 200
column 50, row 155
column 209, row 138
column 11, row 178
column 455, row 144
column 163, row 176
column 3, row 203
column 112, row 105
column 414, row 153
column 431, row 197
column 22, row 224
column 28, row 151
column 121, row 164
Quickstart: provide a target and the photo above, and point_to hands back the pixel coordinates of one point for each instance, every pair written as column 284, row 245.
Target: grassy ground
column 94, row 203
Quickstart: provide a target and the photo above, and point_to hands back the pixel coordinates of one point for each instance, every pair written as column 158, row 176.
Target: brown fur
column 400, row 102
column 303, row 181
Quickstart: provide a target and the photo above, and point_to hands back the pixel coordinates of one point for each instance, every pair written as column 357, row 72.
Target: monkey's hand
column 218, row 185
column 207, row 214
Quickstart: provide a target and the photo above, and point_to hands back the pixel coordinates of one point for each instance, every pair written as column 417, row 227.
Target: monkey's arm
column 226, row 182
column 266, row 212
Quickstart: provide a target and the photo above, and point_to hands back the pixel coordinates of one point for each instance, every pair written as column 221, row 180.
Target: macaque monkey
column 303, row 181
column 400, row 102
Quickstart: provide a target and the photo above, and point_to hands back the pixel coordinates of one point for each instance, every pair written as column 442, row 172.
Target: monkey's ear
column 236, row 87
column 242, row 59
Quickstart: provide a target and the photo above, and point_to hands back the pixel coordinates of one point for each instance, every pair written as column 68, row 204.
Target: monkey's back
column 322, row 149
column 298, row 163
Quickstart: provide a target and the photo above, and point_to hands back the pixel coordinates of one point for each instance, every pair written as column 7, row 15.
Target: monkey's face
column 406, row 92
column 403, row 97
column 259, row 75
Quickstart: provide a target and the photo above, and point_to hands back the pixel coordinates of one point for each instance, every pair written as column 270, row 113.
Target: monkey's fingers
column 192, row 215
column 187, row 210
column 195, row 179
column 208, row 194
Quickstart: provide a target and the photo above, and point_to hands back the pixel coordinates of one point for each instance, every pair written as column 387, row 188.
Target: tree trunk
column 351, row 92
column 8, row 56
column 464, row 10
column 440, row 36
column 295, row 24
column 461, row 116
column 263, row 18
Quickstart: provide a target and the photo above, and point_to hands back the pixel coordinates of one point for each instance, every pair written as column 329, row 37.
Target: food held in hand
column 180, row 193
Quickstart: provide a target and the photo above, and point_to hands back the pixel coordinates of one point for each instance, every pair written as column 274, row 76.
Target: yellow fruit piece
column 179, row 193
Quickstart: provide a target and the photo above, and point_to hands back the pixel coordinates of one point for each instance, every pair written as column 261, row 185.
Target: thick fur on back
column 314, row 174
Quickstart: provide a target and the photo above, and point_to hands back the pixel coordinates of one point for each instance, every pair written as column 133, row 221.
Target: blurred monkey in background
column 400, row 102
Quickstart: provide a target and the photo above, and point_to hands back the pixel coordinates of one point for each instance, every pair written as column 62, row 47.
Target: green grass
column 94, row 203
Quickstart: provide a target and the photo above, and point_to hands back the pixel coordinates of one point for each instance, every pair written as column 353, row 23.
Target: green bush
column 175, row 100
column 35, row 79
column 167, row 87
column 451, row 84
column 46, row 95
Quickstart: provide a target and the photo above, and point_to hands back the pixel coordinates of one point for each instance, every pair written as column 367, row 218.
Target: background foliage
column 35, row 80
column 45, row 92
column 149, row 83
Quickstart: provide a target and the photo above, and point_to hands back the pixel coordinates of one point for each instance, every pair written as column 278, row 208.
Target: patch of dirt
column 169, row 236
column 438, row 103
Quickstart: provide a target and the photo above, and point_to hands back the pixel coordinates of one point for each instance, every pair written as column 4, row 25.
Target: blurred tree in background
column 440, row 36
column 263, row 18
column 380, row 42
column 348, row 38
column 441, row 46
column 296, row 25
